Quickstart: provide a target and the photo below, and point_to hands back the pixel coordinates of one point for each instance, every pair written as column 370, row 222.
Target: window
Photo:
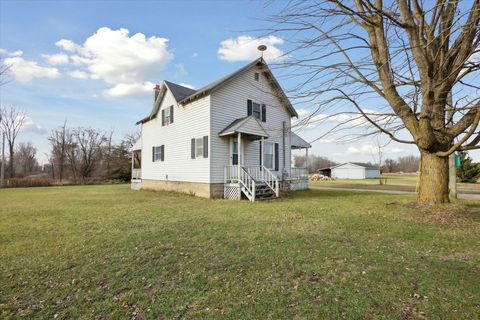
column 158, row 153
column 167, row 116
column 234, row 153
column 256, row 110
column 256, row 76
column 199, row 148
column 268, row 155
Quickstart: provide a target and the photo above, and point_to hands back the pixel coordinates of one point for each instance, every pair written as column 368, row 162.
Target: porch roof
column 249, row 126
column 298, row 143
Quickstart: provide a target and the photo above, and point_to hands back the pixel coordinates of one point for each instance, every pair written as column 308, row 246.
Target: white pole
column 306, row 159
column 263, row 151
column 239, row 151
column 2, row 169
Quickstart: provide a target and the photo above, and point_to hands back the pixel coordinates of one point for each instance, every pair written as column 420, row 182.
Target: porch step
column 263, row 192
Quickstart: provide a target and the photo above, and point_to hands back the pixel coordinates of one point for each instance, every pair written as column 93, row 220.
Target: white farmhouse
column 229, row 139
column 351, row 170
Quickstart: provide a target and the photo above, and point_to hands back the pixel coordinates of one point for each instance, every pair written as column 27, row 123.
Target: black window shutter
column 153, row 154
column 264, row 113
column 261, row 155
column 163, row 117
column 276, row 157
column 205, row 146
column 249, row 107
column 193, row 149
column 162, row 152
column 171, row 114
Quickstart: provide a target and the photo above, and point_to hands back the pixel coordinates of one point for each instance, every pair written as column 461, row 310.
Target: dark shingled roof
column 179, row 92
column 366, row 165
column 184, row 95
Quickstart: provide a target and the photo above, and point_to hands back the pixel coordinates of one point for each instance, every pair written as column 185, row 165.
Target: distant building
column 351, row 170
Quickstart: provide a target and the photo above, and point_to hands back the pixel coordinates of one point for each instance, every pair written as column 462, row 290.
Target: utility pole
column 2, row 168
column 452, row 169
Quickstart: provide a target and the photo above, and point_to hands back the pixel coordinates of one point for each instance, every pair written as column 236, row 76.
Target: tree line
column 77, row 154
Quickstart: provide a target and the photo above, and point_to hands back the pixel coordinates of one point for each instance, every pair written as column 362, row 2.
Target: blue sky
column 94, row 63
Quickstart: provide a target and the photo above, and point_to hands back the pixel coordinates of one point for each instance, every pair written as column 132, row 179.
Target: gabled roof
column 247, row 125
column 260, row 62
column 298, row 143
column 184, row 95
column 358, row 164
column 179, row 92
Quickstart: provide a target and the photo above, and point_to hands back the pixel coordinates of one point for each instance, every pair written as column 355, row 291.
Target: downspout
column 283, row 150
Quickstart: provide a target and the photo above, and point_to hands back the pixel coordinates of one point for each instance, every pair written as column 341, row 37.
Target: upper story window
column 257, row 110
column 167, row 116
column 256, row 76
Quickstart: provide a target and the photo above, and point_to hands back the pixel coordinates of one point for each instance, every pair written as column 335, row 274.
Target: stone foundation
column 204, row 190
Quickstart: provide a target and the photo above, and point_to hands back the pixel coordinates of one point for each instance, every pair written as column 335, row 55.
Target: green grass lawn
column 109, row 252
column 392, row 182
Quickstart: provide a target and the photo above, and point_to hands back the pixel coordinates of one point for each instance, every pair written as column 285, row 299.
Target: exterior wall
column 191, row 121
column 205, row 190
column 372, row 173
column 229, row 103
column 348, row 171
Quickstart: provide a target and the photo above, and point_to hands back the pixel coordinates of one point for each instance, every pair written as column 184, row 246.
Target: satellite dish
column 262, row 47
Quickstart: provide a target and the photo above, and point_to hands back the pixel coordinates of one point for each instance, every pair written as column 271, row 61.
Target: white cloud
column 78, row 74
column 26, row 70
column 124, row 62
column 187, row 85
column 30, row 126
column 17, row 53
column 67, row 45
column 194, row 55
column 244, row 48
column 56, row 59
column 129, row 89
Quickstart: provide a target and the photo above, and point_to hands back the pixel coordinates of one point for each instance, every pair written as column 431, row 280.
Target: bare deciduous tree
column 389, row 66
column 26, row 158
column 11, row 121
column 88, row 142
column 58, row 142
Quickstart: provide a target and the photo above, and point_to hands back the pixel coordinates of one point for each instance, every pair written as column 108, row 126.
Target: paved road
column 467, row 196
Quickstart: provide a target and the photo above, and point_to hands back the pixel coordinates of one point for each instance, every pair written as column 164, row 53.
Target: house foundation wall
column 204, row 190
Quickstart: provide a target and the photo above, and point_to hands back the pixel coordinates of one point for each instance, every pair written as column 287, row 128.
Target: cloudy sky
column 94, row 63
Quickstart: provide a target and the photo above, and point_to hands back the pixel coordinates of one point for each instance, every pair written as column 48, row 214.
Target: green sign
column 458, row 161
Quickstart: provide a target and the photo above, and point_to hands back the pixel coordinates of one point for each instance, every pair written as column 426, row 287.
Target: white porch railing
column 136, row 173
column 299, row 174
column 260, row 173
column 250, row 175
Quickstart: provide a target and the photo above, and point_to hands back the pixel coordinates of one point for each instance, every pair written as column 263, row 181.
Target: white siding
column 372, row 173
column 229, row 103
column 191, row 121
column 348, row 171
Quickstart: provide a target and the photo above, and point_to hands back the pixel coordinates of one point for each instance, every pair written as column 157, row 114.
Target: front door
column 234, row 156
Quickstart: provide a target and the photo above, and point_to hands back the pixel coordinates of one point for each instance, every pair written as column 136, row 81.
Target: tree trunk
column 433, row 178
column 11, row 165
